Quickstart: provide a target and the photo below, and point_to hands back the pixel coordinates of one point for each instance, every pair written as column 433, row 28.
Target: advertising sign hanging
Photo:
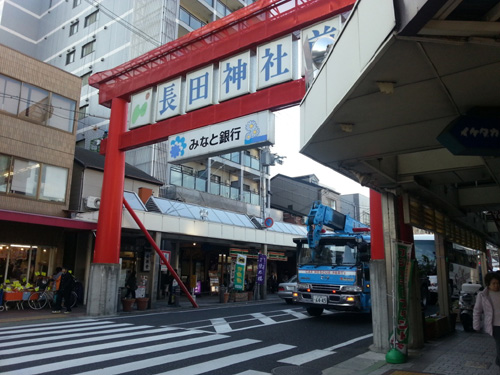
column 239, row 272
column 261, row 269
column 244, row 132
column 166, row 253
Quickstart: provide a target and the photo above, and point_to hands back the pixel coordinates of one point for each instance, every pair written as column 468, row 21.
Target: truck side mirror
column 363, row 248
column 365, row 257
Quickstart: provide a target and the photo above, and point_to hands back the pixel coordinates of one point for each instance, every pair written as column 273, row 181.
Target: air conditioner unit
column 93, row 202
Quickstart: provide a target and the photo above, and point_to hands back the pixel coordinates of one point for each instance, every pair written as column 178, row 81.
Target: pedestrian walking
column 131, row 285
column 66, row 287
column 56, row 282
column 487, row 307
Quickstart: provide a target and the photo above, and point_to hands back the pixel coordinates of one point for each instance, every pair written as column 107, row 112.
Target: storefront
column 22, row 262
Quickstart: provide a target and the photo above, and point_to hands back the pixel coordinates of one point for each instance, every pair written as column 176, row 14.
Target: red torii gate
column 263, row 21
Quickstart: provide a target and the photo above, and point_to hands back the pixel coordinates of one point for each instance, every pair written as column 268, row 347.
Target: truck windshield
column 329, row 254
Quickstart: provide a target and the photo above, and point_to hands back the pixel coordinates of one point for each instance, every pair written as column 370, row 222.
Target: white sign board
column 238, row 134
column 168, row 99
column 269, row 64
column 141, row 108
column 234, row 76
column 275, row 62
column 199, row 88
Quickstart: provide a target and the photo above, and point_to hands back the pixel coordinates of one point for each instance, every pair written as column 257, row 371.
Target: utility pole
column 266, row 159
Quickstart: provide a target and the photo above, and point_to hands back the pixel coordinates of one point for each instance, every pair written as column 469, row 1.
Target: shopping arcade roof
column 410, row 72
column 196, row 212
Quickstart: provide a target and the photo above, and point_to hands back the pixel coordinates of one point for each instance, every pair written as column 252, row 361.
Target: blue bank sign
column 241, row 133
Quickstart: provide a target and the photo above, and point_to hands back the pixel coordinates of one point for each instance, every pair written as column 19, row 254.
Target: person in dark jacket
column 131, row 285
column 64, row 293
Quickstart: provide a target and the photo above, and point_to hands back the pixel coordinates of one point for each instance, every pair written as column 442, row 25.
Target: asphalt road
column 246, row 339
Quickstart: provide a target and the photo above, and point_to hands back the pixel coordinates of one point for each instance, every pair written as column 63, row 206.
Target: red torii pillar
column 105, row 269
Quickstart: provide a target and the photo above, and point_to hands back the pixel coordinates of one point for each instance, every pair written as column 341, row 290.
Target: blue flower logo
column 252, row 129
column 178, row 145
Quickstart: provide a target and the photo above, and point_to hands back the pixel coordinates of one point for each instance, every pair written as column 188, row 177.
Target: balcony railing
column 188, row 180
column 189, row 19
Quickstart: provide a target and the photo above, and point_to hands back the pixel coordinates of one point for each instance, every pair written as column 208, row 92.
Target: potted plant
column 127, row 304
column 142, row 303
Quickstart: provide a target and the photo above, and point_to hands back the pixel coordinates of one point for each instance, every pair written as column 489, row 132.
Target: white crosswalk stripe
column 93, row 347
column 248, row 321
column 303, row 358
column 32, row 344
column 118, row 348
column 53, row 330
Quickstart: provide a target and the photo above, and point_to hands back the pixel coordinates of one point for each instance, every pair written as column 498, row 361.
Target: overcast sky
column 296, row 164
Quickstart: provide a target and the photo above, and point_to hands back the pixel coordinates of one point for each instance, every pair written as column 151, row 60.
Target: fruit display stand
column 13, row 297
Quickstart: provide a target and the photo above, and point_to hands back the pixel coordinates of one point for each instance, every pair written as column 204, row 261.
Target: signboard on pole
column 163, row 266
column 239, row 272
column 261, row 269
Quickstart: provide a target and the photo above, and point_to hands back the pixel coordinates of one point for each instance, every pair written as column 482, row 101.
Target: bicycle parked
column 39, row 300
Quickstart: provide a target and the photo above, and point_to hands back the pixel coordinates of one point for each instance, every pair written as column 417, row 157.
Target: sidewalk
column 460, row 353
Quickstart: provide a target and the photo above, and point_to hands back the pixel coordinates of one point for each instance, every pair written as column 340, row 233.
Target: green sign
column 239, row 272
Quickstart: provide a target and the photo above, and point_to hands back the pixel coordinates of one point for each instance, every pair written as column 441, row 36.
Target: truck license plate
column 319, row 299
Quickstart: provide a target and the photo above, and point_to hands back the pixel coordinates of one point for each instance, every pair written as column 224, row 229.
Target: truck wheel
column 315, row 311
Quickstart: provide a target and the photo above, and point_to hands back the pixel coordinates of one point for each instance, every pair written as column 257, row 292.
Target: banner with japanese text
column 261, row 269
column 239, row 272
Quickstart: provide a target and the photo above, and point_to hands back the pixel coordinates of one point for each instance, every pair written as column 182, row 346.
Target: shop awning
column 51, row 221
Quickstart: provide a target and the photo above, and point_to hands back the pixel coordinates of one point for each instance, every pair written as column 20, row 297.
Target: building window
column 85, row 78
column 91, row 18
column 53, row 183
column 70, row 57
column 4, row 172
column 10, row 90
column 189, row 19
column 76, row 3
column 73, row 28
column 62, row 113
column 34, row 103
column 83, row 112
column 88, row 48
column 24, row 177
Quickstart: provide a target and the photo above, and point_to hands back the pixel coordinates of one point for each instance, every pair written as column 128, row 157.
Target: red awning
column 51, row 221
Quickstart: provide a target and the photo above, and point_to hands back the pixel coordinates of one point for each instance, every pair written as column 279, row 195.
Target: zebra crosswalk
column 93, row 346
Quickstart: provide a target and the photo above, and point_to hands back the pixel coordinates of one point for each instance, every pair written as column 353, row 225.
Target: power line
column 47, row 108
column 125, row 23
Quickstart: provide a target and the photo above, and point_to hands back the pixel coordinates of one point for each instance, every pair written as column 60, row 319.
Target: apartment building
column 88, row 36
column 38, row 106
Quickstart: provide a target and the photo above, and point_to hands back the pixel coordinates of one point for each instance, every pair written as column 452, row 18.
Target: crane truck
column 333, row 267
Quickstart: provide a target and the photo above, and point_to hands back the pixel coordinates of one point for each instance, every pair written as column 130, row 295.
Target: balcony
column 188, row 180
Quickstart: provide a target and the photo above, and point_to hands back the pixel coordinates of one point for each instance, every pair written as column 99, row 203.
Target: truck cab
column 333, row 268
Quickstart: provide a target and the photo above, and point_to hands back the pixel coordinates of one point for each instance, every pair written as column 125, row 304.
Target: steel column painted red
column 109, row 226
column 376, row 226
column 405, row 230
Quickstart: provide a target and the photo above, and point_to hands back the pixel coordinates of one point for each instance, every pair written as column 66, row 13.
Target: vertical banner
column 402, row 288
column 239, row 272
column 261, row 269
